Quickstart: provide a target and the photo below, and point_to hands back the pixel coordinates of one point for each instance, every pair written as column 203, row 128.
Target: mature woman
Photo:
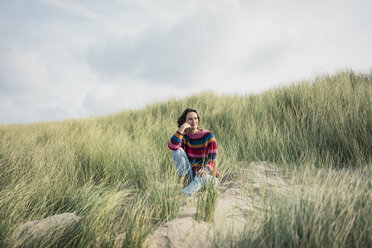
column 194, row 152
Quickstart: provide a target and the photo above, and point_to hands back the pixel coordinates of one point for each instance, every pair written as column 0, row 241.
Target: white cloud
column 67, row 59
column 114, row 97
column 75, row 8
column 22, row 71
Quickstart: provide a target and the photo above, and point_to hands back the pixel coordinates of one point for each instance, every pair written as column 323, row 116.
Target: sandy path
column 239, row 200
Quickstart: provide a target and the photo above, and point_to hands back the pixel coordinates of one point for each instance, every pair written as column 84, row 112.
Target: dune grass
column 206, row 204
column 328, row 208
column 116, row 171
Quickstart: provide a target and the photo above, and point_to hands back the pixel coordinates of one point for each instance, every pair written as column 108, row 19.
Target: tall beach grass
column 327, row 208
column 116, row 171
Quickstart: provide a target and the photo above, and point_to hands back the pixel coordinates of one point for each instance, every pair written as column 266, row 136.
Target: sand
column 239, row 200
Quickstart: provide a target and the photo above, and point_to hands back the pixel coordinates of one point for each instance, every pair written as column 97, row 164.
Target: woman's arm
column 176, row 140
column 212, row 155
column 183, row 127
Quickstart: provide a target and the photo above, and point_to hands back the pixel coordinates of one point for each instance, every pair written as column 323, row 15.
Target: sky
column 66, row 59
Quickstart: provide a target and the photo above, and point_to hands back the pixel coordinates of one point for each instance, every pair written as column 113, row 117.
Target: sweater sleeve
column 176, row 141
column 212, row 155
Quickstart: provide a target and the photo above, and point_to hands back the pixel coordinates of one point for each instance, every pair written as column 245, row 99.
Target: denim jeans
column 183, row 167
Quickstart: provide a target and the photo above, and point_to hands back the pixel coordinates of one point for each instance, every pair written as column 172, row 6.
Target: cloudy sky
column 62, row 59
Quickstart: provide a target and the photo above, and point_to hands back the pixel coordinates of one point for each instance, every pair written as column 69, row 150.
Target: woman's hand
column 202, row 172
column 183, row 127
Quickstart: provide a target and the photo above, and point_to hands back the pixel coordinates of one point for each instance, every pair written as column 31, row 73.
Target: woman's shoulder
column 206, row 131
column 203, row 133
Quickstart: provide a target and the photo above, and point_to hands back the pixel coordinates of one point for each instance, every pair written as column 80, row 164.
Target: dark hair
column 182, row 118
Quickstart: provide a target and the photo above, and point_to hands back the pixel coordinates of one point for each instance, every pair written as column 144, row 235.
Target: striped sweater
column 200, row 147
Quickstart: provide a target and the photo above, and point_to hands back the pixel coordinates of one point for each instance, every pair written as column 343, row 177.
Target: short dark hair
column 182, row 118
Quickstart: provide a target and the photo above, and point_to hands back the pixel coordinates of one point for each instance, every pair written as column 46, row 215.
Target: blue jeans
column 183, row 167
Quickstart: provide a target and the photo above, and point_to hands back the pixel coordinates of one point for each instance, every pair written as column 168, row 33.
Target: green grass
column 206, row 204
column 116, row 171
column 329, row 208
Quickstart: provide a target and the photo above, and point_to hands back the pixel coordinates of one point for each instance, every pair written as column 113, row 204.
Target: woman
column 194, row 152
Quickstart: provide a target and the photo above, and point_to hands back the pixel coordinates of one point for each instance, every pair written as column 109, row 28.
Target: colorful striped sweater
column 200, row 147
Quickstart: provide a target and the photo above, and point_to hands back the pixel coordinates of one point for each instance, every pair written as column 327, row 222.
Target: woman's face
column 192, row 119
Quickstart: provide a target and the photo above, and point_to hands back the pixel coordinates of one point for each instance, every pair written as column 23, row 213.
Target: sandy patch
column 239, row 200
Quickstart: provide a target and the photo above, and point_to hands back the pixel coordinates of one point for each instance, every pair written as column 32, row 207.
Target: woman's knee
column 181, row 162
column 211, row 179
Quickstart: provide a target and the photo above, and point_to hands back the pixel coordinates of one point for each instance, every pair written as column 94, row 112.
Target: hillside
column 116, row 173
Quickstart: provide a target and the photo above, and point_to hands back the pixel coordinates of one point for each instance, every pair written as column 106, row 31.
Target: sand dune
column 239, row 201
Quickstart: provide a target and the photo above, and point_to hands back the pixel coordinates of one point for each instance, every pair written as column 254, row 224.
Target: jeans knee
column 211, row 179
